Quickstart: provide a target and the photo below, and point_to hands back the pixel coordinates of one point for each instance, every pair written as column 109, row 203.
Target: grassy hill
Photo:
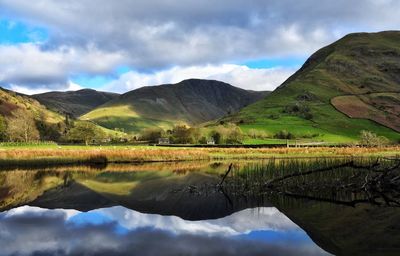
column 10, row 101
column 44, row 118
column 348, row 86
column 75, row 103
column 192, row 101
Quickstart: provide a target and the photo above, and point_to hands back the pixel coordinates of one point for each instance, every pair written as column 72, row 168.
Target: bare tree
column 21, row 126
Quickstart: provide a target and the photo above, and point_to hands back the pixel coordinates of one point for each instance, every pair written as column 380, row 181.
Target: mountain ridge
column 190, row 101
column 74, row 103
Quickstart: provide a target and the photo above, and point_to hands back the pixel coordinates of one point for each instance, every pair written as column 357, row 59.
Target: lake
column 272, row 207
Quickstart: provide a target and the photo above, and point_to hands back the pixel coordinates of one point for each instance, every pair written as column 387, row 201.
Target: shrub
column 299, row 109
column 284, row 135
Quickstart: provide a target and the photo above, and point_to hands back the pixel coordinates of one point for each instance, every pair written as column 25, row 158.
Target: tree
column 3, row 128
column 182, row 134
column 216, row 136
column 370, row 139
column 234, row 134
column 229, row 133
column 152, row 134
column 86, row 132
column 21, row 126
column 49, row 131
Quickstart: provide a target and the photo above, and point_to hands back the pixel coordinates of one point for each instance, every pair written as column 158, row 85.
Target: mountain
column 75, row 103
column 191, row 102
column 348, row 86
column 11, row 101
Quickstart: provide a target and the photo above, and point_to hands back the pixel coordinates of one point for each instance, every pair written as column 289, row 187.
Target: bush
column 299, row 109
column 257, row 134
column 284, row 135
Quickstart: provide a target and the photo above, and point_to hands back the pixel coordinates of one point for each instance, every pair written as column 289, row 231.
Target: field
column 320, row 128
column 370, row 107
column 54, row 155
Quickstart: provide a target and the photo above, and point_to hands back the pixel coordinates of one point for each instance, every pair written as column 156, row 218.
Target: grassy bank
column 52, row 155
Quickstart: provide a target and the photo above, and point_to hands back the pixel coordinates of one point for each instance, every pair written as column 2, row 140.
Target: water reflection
column 121, row 231
column 178, row 208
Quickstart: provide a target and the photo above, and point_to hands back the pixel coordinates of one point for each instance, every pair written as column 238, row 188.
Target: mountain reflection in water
column 179, row 209
column 121, row 231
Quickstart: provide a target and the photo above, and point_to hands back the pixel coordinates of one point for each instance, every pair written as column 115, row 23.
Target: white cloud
column 242, row 222
column 31, row 66
column 69, row 86
column 29, row 210
column 237, row 75
column 96, row 36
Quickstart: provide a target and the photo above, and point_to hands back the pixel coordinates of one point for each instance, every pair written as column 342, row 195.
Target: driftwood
column 331, row 168
column 226, row 175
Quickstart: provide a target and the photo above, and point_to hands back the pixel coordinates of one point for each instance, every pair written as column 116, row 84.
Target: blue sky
column 17, row 32
column 120, row 46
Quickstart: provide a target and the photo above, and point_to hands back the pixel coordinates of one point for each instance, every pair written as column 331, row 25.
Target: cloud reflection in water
column 120, row 231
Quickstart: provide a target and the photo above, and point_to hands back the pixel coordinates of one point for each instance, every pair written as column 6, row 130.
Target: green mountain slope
column 11, row 101
column 75, row 103
column 348, row 86
column 48, row 122
column 191, row 101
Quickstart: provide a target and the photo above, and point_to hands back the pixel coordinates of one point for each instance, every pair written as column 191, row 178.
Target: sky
column 119, row 46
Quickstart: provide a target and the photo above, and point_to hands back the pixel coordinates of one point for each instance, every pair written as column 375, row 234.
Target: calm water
column 178, row 209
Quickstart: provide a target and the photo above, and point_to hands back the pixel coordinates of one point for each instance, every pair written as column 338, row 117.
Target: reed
column 52, row 156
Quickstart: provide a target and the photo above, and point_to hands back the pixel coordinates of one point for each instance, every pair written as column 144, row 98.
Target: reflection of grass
column 25, row 186
column 116, row 188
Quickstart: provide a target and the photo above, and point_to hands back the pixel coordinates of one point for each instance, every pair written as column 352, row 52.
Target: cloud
column 69, row 86
column 51, row 232
column 30, row 66
column 243, row 222
column 149, row 35
column 237, row 75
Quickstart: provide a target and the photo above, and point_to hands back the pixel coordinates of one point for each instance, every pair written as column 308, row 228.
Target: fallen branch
column 296, row 174
column 226, row 175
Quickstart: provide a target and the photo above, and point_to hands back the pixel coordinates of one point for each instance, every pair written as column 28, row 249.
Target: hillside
column 49, row 123
column 75, row 103
column 191, row 101
column 11, row 101
column 348, row 86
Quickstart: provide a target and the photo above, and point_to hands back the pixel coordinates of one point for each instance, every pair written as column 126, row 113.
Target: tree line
column 22, row 126
column 183, row 134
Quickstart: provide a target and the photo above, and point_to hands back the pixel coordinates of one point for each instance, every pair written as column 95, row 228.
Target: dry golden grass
column 32, row 156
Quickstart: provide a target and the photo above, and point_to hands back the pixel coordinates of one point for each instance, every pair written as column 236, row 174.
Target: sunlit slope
column 11, row 101
column 361, row 65
column 124, row 118
column 190, row 102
